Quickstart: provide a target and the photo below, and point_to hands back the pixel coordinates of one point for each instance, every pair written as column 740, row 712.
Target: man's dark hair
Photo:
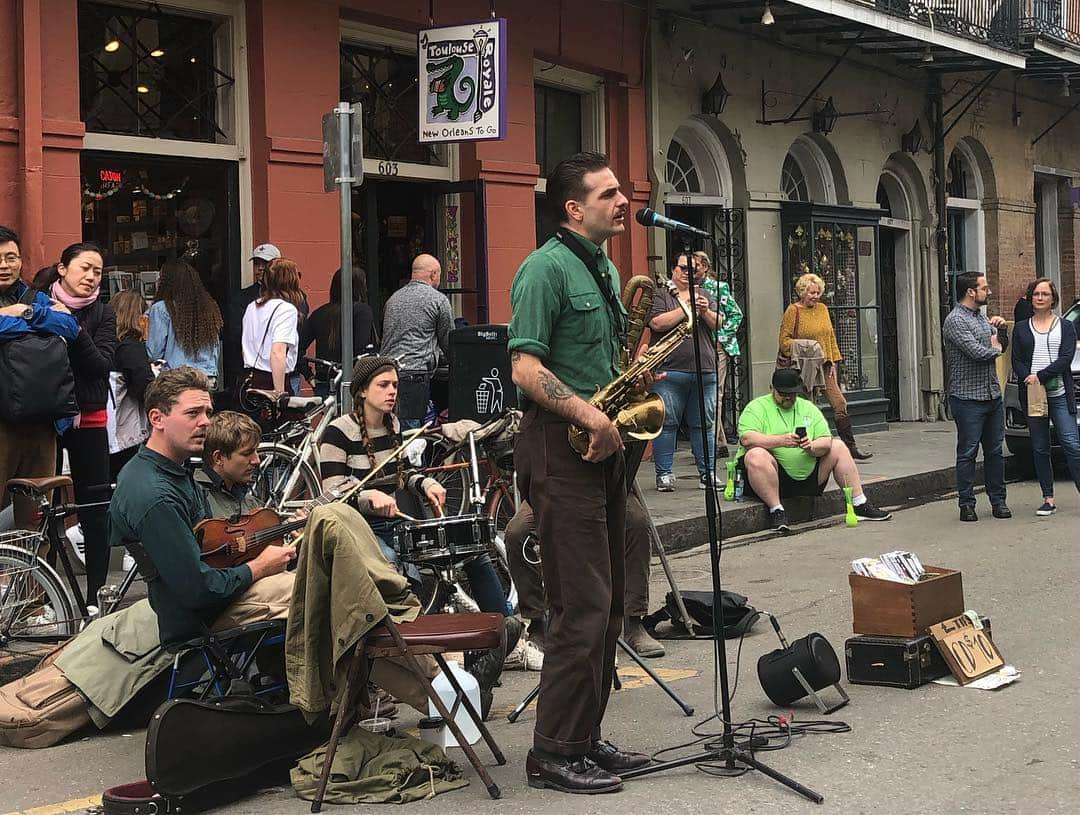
column 164, row 392
column 9, row 235
column 567, row 181
column 965, row 281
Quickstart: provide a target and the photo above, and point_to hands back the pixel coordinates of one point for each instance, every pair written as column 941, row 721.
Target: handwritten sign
column 967, row 650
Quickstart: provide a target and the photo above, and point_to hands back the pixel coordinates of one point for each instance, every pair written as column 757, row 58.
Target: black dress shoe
column 968, row 514
column 1001, row 511
column 574, row 774
column 614, row 760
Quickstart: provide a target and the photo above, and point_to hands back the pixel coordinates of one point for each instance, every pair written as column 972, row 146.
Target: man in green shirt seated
column 787, row 451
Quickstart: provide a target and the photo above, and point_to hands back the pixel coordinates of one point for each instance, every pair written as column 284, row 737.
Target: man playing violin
column 230, row 460
column 157, row 505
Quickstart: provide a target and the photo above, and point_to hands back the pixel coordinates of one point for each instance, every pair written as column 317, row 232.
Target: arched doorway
column 700, row 189
column 965, row 188
column 902, row 197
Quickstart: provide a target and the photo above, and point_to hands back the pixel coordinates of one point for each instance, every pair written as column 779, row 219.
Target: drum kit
column 442, row 546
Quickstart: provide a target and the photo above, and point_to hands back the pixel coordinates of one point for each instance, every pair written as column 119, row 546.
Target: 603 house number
column 388, row 168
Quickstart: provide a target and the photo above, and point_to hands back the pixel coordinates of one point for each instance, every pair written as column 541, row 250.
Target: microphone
column 649, row 217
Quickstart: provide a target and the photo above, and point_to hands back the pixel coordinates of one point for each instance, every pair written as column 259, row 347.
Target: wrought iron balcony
column 1057, row 19
column 994, row 22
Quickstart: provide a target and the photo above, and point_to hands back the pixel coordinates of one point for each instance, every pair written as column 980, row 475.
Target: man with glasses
column 972, row 345
column 788, row 451
column 27, row 450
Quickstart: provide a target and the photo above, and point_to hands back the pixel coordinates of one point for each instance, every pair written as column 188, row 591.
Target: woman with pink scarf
column 77, row 284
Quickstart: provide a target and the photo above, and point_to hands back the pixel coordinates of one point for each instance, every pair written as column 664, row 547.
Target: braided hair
column 366, row 370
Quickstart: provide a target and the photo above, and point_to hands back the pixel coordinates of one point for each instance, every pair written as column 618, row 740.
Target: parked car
column 1017, row 435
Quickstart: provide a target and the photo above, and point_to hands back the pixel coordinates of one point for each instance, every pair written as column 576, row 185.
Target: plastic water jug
column 441, row 735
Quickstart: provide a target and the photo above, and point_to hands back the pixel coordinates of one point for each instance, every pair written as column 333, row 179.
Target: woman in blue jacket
column 1042, row 354
column 185, row 321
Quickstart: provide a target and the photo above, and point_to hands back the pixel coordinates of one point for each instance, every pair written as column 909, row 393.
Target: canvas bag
column 41, row 709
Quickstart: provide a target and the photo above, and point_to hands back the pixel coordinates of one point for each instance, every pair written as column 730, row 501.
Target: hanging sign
column 462, row 82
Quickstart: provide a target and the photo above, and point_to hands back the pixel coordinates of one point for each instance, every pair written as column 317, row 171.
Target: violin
column 226, row 543
column 231, row 542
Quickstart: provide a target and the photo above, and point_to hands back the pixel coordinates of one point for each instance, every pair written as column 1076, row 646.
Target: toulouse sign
column 462, row 82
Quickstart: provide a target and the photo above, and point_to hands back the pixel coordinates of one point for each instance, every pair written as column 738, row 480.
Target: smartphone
column 800, row 431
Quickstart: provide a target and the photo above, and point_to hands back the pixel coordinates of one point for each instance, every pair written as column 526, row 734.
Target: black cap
column 787, row 380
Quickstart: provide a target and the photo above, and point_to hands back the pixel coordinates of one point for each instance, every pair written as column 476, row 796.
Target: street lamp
column 714, row 99
column 911, row 141
column 824, row 118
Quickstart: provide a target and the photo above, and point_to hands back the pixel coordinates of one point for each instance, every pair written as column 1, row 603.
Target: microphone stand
column 734, row 757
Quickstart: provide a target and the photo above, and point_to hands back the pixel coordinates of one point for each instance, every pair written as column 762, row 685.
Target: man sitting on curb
column 787, row 451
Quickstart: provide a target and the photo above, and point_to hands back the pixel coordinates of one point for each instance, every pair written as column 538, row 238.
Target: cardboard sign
column 967, row 650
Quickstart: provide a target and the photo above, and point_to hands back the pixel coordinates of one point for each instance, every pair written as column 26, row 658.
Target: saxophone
column 637, row 415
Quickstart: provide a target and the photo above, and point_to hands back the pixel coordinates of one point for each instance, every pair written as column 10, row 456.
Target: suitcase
column 898, row 662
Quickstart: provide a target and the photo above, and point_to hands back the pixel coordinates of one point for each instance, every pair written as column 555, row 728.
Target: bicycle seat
column 301, row 403
column 30, row 486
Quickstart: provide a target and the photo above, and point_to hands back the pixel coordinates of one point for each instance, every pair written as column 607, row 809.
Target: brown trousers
column 528, row 576
column 26, row 451
column 580, row 518
column 833, row 394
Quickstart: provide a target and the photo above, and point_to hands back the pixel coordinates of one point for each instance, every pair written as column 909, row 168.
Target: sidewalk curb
column 749, row 517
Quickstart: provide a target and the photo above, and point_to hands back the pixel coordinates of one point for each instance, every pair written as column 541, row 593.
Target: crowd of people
column 143, row 378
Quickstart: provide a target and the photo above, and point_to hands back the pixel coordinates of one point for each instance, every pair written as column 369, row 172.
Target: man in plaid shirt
column 972, row 345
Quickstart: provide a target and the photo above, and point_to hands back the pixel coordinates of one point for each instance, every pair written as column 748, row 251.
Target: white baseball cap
column 266, row 251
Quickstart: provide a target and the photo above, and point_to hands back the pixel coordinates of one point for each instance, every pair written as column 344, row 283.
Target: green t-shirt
column 763, row 415
column 560, row 316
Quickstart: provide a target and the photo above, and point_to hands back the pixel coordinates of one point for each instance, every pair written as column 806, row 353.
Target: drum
column 449, row 539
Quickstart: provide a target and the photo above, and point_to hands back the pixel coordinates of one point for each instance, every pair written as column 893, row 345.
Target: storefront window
column 144, row 72
column 384, row 82
column 840, row 245
column 143, row 211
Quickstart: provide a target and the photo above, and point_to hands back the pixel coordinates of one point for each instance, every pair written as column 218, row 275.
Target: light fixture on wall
column 1066, row 88
column 714, row 99
column 927, row 54
column 911, row 142
column 767, row 15
column 824, row 118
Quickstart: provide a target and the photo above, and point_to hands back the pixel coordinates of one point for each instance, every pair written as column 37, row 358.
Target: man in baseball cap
column 261, row 257
column 788, row 451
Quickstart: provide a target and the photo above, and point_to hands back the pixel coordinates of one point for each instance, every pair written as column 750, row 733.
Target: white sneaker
column 78, row 544
column 128, row 564
column 524, row 657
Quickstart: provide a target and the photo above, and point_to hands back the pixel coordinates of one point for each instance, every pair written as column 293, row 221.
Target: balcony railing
column 1059, row 19
column 994, row 22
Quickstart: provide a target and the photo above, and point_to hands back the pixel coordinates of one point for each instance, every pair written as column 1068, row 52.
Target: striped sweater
column 342, row 454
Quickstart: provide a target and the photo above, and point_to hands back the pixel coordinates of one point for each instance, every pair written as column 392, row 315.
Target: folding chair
column 219, row 663
column 430, row 634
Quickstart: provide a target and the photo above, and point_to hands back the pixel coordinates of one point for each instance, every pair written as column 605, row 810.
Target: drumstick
column 398, row 513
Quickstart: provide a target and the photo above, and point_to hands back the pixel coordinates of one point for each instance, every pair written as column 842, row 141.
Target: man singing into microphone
column 566, row 331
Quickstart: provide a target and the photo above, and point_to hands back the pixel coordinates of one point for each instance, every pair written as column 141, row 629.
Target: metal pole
column 345, row 182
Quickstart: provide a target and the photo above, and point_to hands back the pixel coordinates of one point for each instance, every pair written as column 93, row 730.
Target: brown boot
column 847, row 436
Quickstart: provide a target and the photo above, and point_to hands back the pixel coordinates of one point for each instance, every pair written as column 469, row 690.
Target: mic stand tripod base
column 634, row 655
column 736, row 758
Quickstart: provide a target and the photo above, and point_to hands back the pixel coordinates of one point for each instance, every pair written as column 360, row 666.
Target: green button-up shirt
column 157, row 505
column 560, row 316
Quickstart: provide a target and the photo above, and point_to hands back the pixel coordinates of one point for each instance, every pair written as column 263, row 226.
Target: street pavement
column 931, row 750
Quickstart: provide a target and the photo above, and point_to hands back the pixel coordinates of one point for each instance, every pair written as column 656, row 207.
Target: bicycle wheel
column 456, row 482
column 501, row 507
column 35, row 604
column 277, row 463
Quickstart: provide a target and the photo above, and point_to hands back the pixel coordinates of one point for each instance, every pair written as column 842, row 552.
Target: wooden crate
column 888, row 608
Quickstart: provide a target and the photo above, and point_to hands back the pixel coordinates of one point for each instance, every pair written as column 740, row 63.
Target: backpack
column 36, row 383
column 738, row 615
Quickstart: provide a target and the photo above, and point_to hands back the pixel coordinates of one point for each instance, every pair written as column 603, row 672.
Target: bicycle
column 36, row 605
column 288, row 474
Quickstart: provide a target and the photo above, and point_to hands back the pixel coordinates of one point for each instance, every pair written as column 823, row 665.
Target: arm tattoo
column 553, row 388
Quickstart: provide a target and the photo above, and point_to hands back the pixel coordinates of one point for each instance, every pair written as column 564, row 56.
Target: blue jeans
column 979, row 421
column 679, row 390
column 1068, row 438
column 485, row 585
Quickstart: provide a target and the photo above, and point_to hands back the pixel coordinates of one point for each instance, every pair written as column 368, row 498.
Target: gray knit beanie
column 365, row 370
